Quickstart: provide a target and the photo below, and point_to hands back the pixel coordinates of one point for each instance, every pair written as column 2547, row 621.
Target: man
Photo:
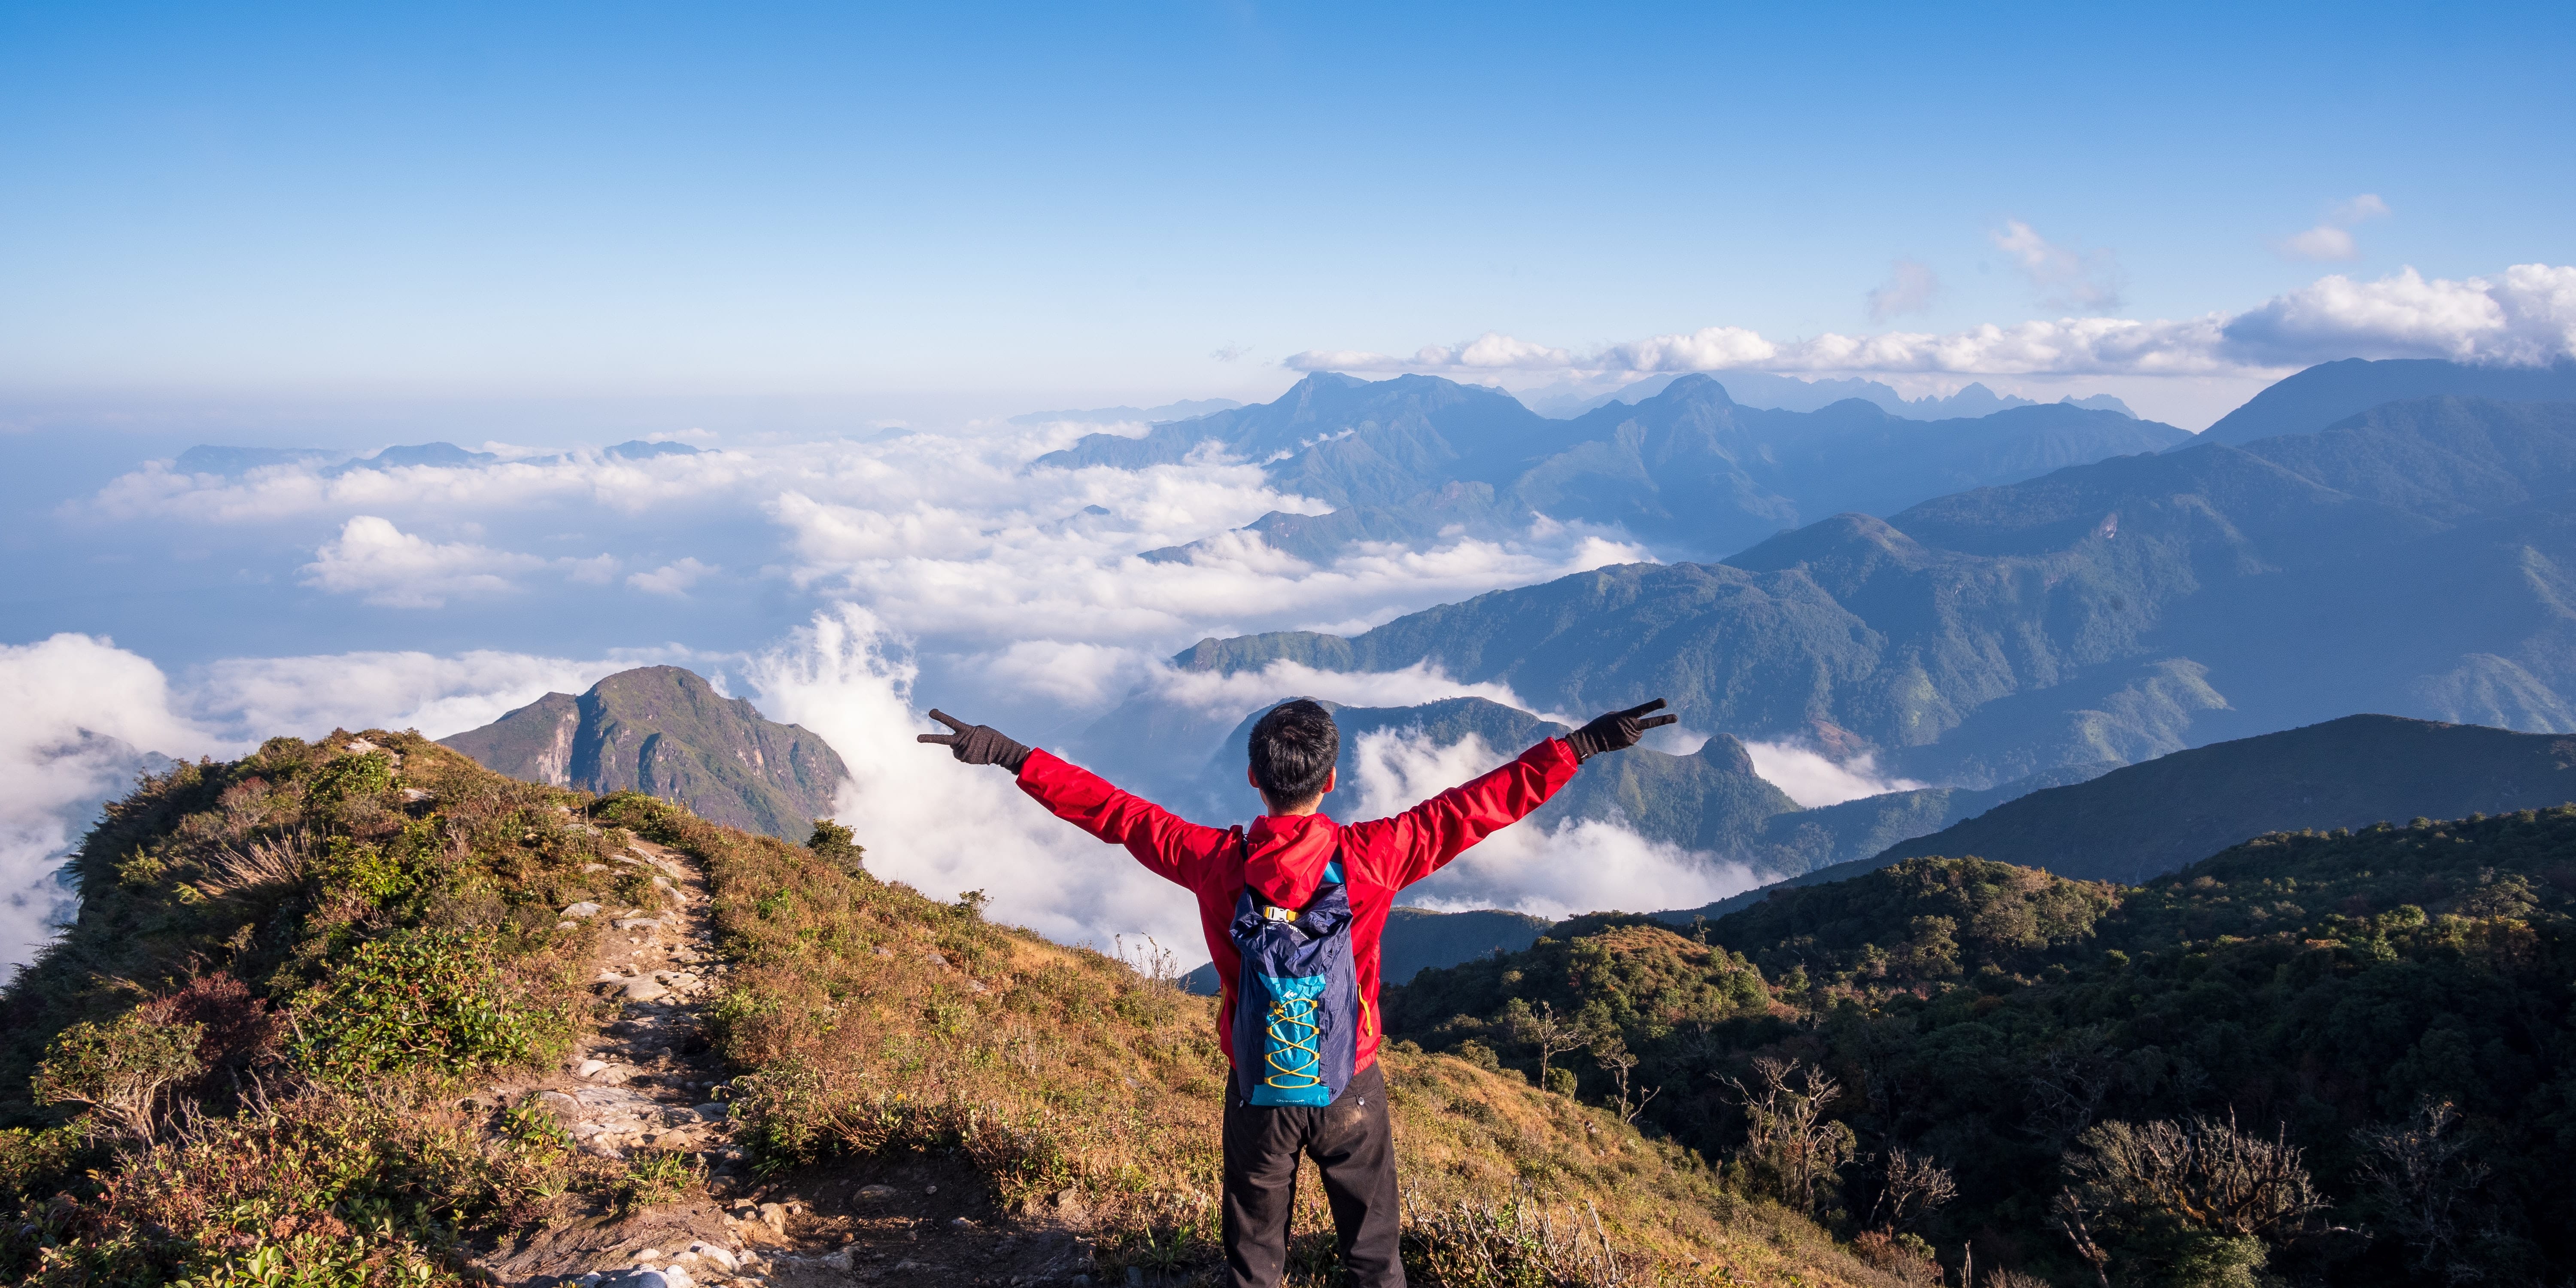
column 1252, row 881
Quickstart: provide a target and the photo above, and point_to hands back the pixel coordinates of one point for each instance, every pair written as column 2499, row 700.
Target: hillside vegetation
column 265, row 1054
column 2336, row 1056
column 2138, row 822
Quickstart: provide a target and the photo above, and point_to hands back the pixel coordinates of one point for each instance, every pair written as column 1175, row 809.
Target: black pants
column 1353, row 1146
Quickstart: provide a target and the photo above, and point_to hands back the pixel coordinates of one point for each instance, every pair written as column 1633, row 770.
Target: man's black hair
column 1293, row 749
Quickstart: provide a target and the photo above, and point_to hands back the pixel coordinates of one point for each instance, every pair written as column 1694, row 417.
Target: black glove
column 980, row 744
column 1616, row 731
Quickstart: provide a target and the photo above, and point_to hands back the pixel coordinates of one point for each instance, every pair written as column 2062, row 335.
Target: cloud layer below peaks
column 2524, row 315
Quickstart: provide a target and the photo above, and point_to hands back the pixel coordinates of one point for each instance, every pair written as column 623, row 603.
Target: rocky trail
column 649, row 1083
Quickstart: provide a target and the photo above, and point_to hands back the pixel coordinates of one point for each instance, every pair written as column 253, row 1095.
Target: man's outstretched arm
column 1420, row 841
column 1172, row 847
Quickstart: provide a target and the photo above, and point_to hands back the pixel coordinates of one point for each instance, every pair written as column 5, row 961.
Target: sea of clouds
column 847, row 582
column 843, row 583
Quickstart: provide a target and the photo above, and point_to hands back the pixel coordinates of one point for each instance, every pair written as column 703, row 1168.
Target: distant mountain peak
column 2329, row 392
column 665, row 731
column 1695, row 387
column 638, row 449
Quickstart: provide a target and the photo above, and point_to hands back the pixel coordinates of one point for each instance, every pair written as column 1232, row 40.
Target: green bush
column 832, row 844
column 315, row 1260
column 366, row 869
column 419, row 999
column 120, row 1068
column 35, row 1162
column 346, row 777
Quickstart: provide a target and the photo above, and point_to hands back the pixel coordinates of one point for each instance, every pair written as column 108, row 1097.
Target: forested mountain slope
column 2363, row 1036
column 2151, row 818
column 293, row 1037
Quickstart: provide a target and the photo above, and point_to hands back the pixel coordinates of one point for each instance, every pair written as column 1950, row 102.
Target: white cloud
column 2332, row 239
column 629, row 487
column 672, row 579
column 1229, row 696
column 1589, row 865
column 310, row 696
column 2325, row 241
column 1810, row 779
column 80, row 712
column 938, row 570
column 2088, row 281
column 2526, row 314
column 1077, row 675
column 943, row 827
column 383, row 564
column 1909, row 288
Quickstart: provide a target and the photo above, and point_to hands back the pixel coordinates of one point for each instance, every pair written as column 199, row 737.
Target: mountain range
column 2411, row 559
column 666, row 732
column 2328, row 392
column 2139, row 822
column 1687, row 471
column 2130, row 824
column 1791, row 393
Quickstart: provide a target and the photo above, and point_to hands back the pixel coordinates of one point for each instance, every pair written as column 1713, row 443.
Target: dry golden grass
column 867, row 1018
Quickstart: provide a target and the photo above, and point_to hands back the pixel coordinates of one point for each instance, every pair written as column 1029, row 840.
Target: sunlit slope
column 868, row 1017
column 329, row 949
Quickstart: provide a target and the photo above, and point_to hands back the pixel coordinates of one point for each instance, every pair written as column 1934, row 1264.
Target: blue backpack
column 1296, row 1009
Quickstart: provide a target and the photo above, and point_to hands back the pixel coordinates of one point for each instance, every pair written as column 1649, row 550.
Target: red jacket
column 1289, row 851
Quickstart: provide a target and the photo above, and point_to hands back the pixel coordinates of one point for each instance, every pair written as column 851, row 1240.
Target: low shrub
column 421, row 999
column 120, row 1067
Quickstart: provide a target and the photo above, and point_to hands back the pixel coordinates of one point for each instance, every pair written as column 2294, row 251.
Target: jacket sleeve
column 1171, row 847
column 1412, row 845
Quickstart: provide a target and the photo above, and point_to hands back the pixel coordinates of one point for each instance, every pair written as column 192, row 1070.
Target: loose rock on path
column 650, row 1082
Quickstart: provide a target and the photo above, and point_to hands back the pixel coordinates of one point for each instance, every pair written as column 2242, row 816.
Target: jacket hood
column 1289, row 852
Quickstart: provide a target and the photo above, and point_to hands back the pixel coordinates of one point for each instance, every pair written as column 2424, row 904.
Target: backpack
column 1296, row 1010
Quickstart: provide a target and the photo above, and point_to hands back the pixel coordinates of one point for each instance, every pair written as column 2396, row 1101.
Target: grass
column 868, row 1020
column 242, row 1063
column 348, row 944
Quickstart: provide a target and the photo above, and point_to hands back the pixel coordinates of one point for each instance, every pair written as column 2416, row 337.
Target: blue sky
column 927, row 209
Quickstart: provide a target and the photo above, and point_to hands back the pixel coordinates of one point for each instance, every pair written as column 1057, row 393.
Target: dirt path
column 650, row 1083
